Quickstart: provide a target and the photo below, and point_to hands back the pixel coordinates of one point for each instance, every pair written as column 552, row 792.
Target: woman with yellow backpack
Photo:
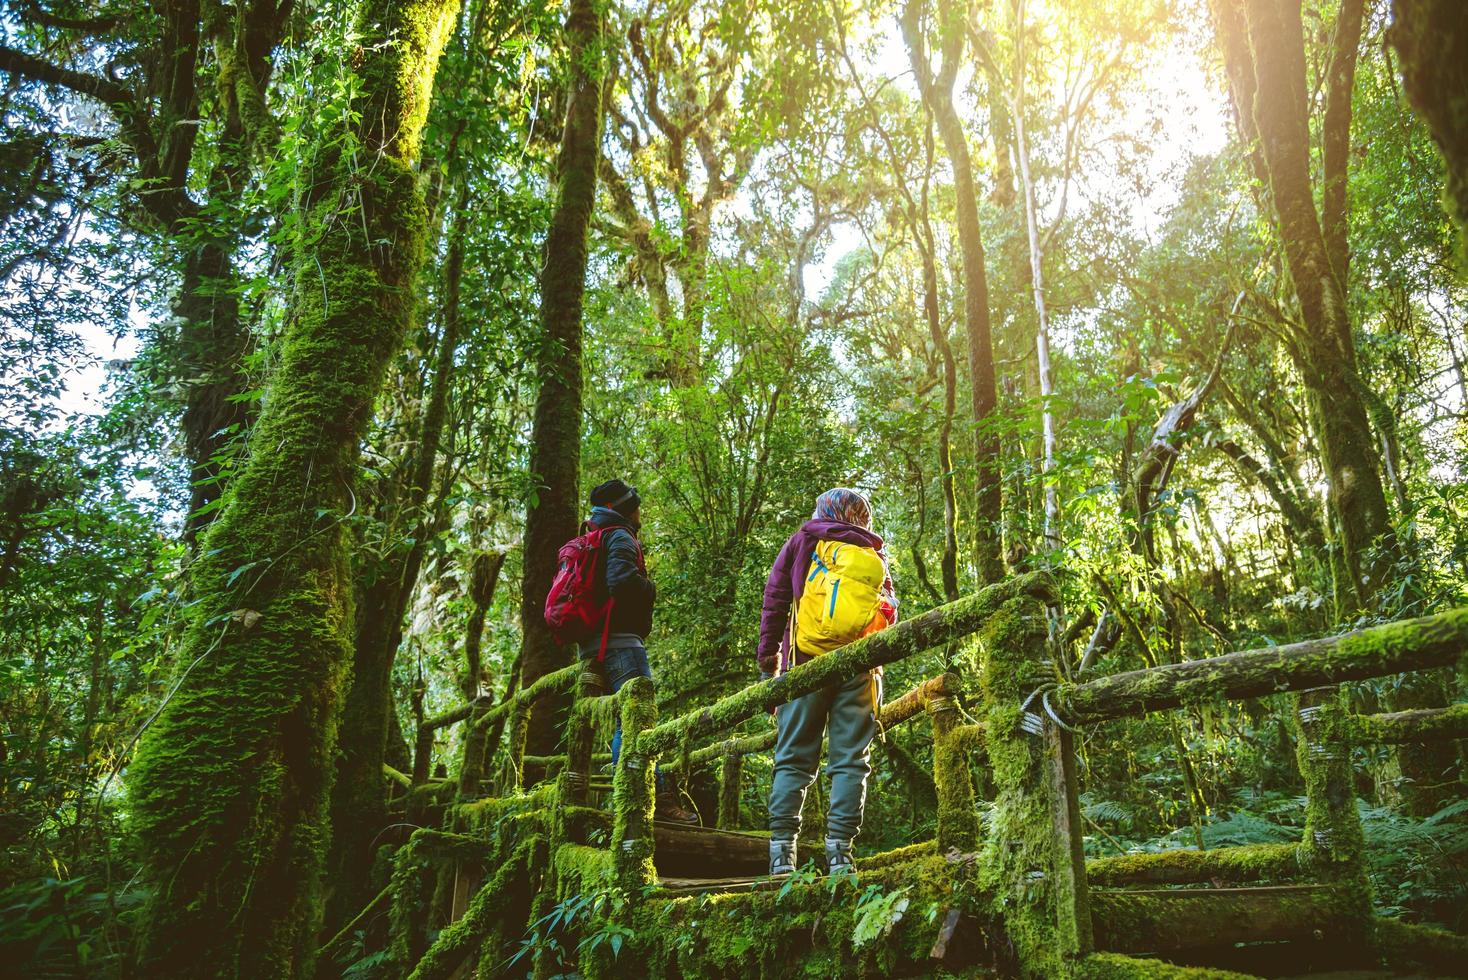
column 829, row 586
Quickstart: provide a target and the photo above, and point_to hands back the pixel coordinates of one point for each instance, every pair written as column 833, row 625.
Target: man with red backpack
column 611, row 614
column 829, row 586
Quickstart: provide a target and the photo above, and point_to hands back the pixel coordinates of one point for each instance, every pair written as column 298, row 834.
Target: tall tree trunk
column 1431, row 36
column 359, row 796
column 213, row 338
column 1037, row 291
column 231, row 783
column 937, row 93
column 1264, row 50
column 928, row 252
column 555, row 454
column 1265, row 53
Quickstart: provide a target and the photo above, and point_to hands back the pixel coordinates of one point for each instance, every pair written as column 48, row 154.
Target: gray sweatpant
column 849, row 710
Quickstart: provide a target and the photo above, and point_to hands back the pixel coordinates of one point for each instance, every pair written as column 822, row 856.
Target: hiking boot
column 667, row 808
column 782, row 856
column 838, row 856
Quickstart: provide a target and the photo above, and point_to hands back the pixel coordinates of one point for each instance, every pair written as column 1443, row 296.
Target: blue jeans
column 620, row 666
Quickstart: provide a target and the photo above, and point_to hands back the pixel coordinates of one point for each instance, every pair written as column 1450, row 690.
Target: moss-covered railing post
column 1333, row 846
column 1068, row 852
column 958, row 819
column 731, row 772
column 580, row 734
column 632, row 790
column 1017, row 866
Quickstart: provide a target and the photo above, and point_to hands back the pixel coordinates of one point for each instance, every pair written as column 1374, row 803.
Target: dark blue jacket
column 619, row 575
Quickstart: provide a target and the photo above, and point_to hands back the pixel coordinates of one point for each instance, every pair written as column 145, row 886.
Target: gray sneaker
column 782, row 856
column 838, row 856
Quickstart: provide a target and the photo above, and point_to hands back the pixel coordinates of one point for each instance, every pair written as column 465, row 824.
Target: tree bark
column 1264, row 52
column 232, row 780
column 555, row 454
column 1431, row 37
column 359, row 795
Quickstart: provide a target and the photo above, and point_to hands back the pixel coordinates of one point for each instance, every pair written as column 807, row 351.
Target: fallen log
column 1392, row 648
column 1171, row 920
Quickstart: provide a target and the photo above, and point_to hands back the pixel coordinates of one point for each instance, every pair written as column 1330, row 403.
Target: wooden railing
column 1028, row 717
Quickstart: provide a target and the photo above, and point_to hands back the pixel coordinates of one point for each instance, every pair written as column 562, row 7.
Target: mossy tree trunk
column 231, row 783
column 1263, row 47
column 359, row 795
column 1264, row 55
column 1431, row 37
column 937, row 92
column 555, row 454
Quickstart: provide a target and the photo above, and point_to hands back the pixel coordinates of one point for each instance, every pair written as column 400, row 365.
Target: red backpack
column 571, row 609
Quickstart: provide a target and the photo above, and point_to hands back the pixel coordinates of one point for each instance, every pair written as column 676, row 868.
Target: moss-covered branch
column 1258, row 862
column 1115, row 966
column 893, row 713
column 933, row 628
column 1405, row 945
column 1393, row 648
column 1420, row 725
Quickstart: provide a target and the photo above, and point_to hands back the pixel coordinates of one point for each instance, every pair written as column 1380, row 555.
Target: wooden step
column 704, row 852
column 679, row 887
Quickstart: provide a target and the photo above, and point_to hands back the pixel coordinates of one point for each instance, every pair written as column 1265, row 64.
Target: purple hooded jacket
column 787, row 580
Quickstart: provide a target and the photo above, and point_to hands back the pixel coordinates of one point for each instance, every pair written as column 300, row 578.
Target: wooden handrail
column 933, row 628
column 1392, row 648
column 551, row 683
column 892, row 713
column 1417, row 725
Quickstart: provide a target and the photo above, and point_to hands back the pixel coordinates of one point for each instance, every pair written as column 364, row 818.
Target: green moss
column 958, row 818
column 632, row 789
column 1016, row 858
column 230, row 787
column 555, row 682
column 1333, row 845
column 1257, row 862
column 1404, row 945
column 1390, row 648
column 1115, row 966
column 1172, row 920
column 581, row 870
column 730, row 778
column 808, row 931
column 501, row 902
column 901, row 855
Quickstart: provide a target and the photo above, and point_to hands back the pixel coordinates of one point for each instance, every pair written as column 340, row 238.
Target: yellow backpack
column 841, row 596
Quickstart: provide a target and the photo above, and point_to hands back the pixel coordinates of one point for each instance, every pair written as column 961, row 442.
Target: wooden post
column 1068, row 855
column 1333, row 846
column 731, row 772
column 958, row 819
column 633, row 788
column 517, row 729
column 580, row 734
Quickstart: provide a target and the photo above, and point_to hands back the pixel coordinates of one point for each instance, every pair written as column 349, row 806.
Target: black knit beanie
column 617, row 495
